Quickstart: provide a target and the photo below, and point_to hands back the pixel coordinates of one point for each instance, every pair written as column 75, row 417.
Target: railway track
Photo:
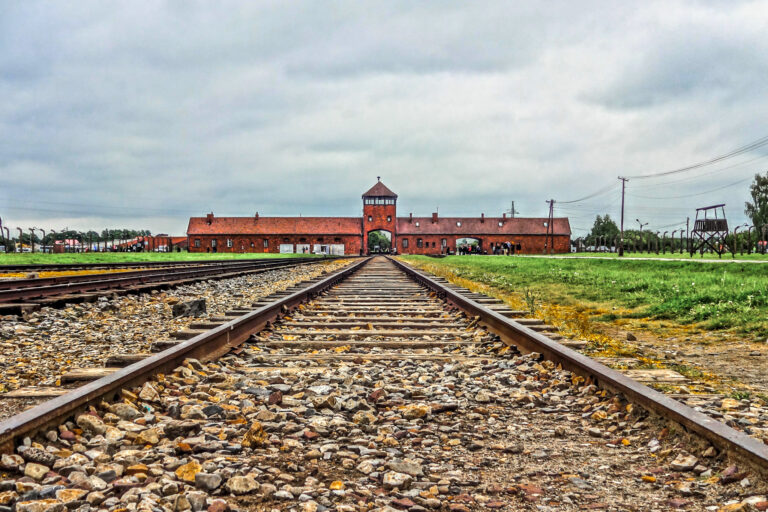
column 63, row 267
column 376, row 386
column 20, row 295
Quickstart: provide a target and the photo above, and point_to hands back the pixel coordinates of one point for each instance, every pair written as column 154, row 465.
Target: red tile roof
column 353, row 226
column 379, row 190
column 474, row 226
column 275, row 226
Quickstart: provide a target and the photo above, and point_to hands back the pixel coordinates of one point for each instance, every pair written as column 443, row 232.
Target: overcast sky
column 141, row 114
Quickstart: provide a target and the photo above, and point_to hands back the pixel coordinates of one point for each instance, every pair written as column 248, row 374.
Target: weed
column 530, row 297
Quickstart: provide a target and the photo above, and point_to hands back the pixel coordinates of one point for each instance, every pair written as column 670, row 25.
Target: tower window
column 370, row 218
column 389, row 218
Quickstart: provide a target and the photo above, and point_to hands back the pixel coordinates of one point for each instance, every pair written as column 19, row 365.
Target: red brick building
column 349, row 235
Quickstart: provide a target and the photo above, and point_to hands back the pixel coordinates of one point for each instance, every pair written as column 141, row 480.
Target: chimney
column 209, row 218
column 482, row 218
column 503, row 217
column 410, row 217
column 434, row 217
column 256, row 217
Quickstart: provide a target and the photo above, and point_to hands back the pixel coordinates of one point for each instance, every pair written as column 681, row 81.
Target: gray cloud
column 143, row 113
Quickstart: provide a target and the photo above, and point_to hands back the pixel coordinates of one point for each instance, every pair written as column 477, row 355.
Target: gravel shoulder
column 37, row 349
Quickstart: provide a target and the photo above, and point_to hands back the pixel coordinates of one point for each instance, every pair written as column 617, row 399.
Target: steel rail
column 118, row 281
column 50, row 267
column 719, row 434
column 205, row 346
column 46, row 281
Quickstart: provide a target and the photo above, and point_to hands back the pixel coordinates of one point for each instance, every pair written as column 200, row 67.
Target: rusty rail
column 50, row 267
column 208, row 345
column 719, row 434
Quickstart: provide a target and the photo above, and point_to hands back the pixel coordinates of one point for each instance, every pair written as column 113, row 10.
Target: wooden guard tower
column 710, row 229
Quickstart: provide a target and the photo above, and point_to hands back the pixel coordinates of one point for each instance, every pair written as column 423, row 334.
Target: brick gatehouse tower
column 380, row 212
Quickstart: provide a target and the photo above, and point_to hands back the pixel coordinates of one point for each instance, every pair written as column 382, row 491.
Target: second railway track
column 386, row 389
column 20, row 295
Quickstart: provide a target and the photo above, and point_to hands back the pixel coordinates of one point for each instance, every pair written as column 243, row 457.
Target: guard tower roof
column 379, row 190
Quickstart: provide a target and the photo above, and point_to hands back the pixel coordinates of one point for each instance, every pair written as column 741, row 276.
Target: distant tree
column 376, row 238
column 605, row 227
column 757, row 209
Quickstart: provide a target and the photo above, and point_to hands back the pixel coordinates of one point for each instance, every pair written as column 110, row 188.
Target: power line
column 693, row 195
column 699, row 176
column 590, row 196
column 738, row 151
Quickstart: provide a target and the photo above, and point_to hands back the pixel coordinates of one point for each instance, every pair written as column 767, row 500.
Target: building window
column 419, row 242
column 545, row 224
column 417, row 224
column 405, row 243
column 458, row 223
column 266, row 242
column 389, row 218
column 433, row 244
column 443, row 242
column 197, row 242
column 337, row 239
column 285, row 240
column 253, row 245
column 229, row 242
column 213, row 242
column 370, row 218
column 501, row 224
column 320, row 239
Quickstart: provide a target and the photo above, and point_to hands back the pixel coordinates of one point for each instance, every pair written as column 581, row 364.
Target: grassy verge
column 129, row 257
column 680, row 294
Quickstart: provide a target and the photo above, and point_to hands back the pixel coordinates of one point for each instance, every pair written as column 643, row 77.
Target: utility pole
column 550, row 228
column 621, row 240
column 512, row 210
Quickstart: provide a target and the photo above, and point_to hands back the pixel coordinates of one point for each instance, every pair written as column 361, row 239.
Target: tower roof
column 379, row 190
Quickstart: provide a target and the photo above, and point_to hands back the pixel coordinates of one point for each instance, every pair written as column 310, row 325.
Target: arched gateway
column 350, row 235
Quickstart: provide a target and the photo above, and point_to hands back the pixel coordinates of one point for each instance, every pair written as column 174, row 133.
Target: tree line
column 105, row 239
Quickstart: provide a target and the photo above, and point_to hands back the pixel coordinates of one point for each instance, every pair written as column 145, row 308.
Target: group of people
column 505, row 248
column 469, row 249
column 502, row 248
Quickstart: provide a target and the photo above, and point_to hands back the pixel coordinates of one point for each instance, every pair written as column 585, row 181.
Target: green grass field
column 730, row 297
column 128, row 257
